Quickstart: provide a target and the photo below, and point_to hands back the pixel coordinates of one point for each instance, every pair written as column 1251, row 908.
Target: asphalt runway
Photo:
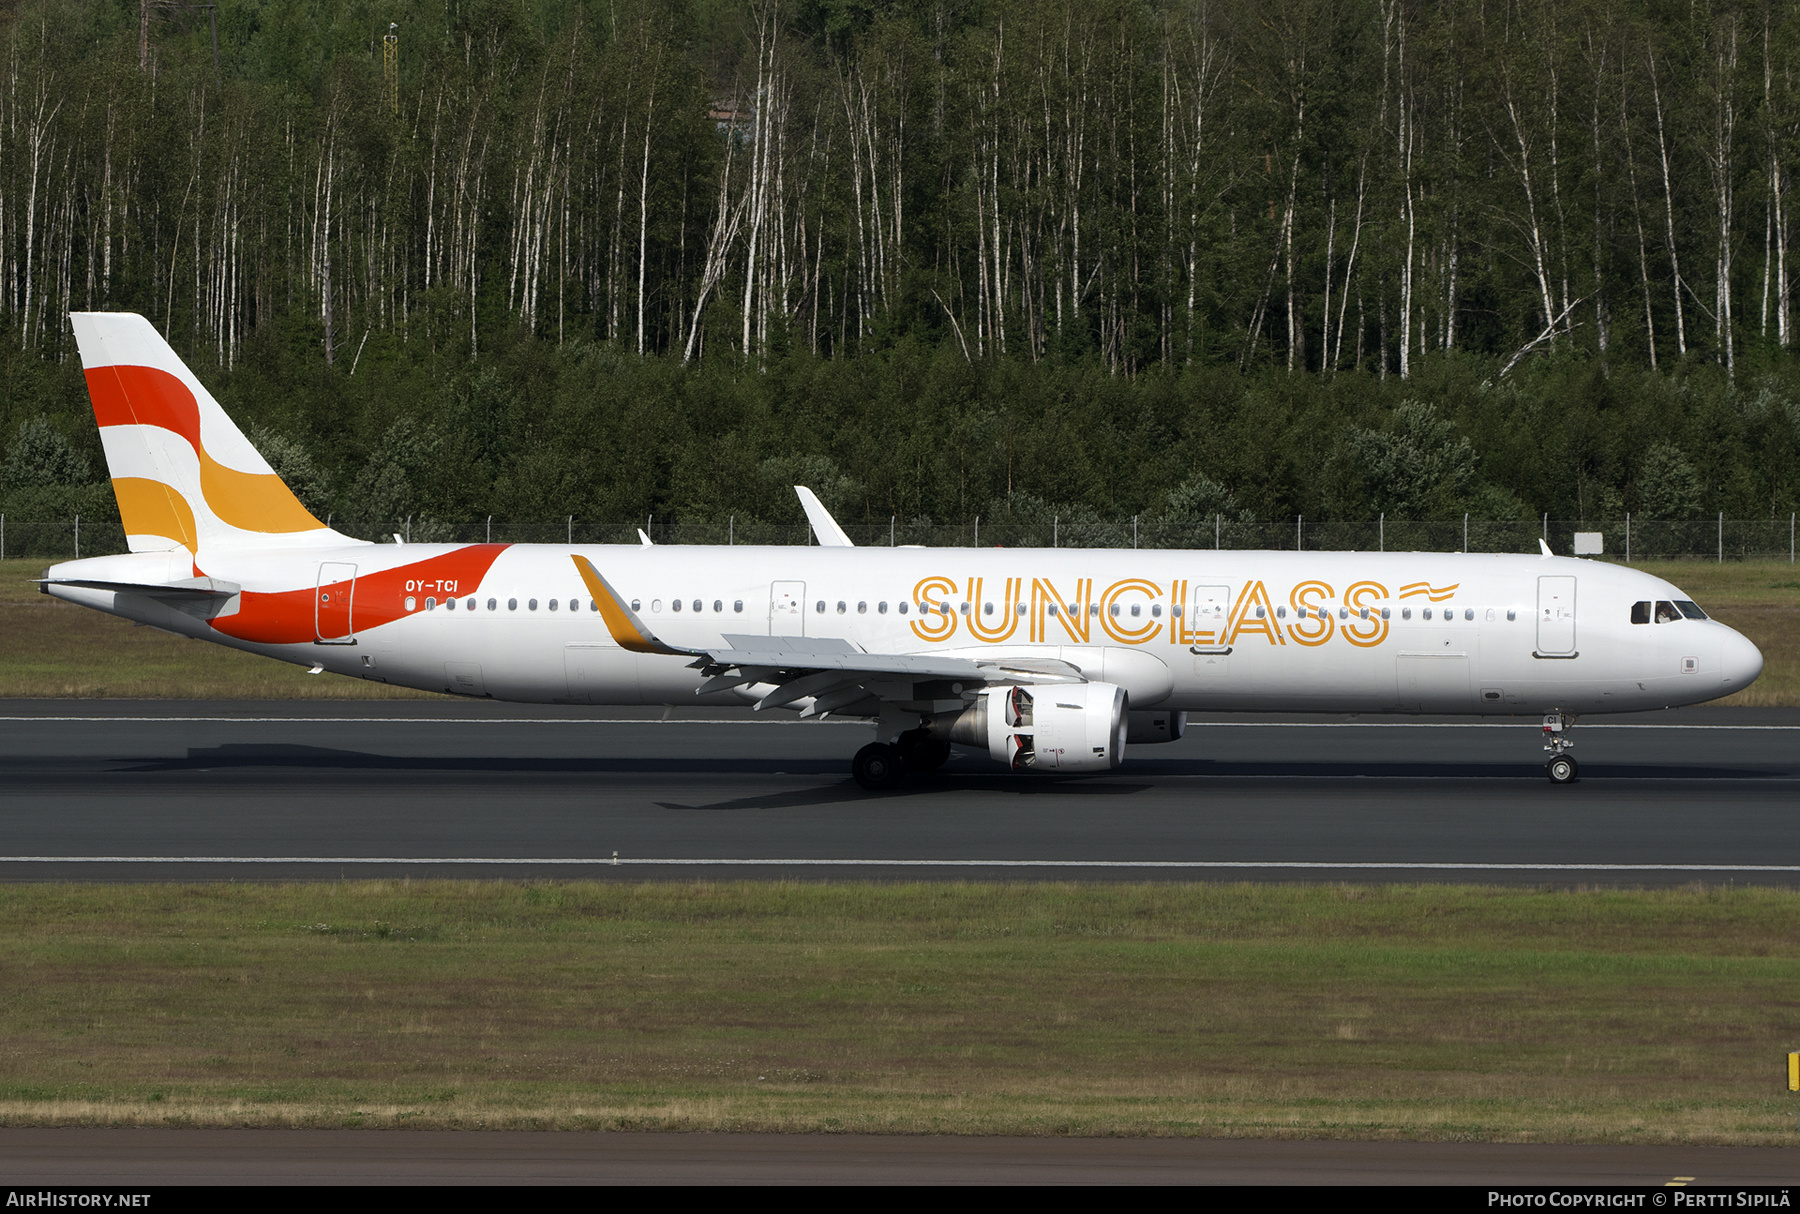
column 230, row 791
column 101, row 1158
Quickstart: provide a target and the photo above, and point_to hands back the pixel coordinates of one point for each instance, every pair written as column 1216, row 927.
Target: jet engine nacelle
column 1055, row 726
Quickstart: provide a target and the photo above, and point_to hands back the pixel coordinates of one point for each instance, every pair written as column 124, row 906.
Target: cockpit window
column 1640, row 612
column 1690, row 609
column 1665, row 612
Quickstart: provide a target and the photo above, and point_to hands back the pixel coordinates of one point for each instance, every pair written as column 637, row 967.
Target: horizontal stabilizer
column 189, row 588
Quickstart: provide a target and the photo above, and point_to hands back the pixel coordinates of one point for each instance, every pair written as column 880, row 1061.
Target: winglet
column 824, row 526
column 1545, row 545
column 629, row 631
column 645, row 541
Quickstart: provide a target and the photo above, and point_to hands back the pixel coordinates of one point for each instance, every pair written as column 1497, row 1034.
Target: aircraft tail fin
column 184, row 474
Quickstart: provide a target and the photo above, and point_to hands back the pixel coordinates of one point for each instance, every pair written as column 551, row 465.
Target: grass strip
column 1430, row 1012
column 58, row 650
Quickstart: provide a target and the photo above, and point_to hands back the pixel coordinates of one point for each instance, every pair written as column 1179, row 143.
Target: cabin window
column 987, row 609
column 656, row 606
column 842, row 607
column 1468, row 613
column 1387, row 612
column 1666, row 613
column 676, row 604
column 902, row 607
column 1512, row 613
column 1051, row 609
column 1074, row 610
column 1094, row 609
column 965, row 609
column 531, row 604
column 493, row 604
column 411, row 603
column 1175, row 611
column 1115, row 611
column 553, row 604
column 1690, row 609
column 637, row 604
column 1261, row 612
column 718, row 606
column 881, row 607
column 737, row 605
column 1343, row 613
column 699, row 606
column 1640, row 612
column 1136, row 610
column 449, row 604
column 862, row 609
column 1281, row 613
column 819, row 607
column 470, row 605
column 1490, row 615
column 1428, row 613
column 1301, row 612
column 1019, row 610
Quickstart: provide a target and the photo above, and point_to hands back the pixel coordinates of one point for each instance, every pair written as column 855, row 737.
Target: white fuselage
column 1182, row 630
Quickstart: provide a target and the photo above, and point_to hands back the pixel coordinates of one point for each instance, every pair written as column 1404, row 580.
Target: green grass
column 55, row 649
column 1435, row 1012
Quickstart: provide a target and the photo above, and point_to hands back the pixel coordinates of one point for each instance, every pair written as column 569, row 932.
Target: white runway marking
column 1194, row 726
column 621, row 861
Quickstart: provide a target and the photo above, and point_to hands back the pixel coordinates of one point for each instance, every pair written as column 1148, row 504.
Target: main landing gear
column 880, row 766
column 1561, row 767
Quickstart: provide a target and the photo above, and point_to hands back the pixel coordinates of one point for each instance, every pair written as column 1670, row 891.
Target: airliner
column 1049, row 660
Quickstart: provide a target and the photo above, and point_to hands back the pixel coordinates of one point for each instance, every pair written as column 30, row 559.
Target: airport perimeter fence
column 1625, row 539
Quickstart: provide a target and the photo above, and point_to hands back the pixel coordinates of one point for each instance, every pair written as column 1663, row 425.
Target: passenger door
column 787, row 609
column 332, row 622
column 1556, row 616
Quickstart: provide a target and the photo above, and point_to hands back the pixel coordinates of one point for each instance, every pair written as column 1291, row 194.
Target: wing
column 834, row 673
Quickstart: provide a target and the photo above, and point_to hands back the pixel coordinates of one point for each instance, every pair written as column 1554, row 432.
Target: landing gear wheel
column 1562, row 769
column 878, row 767
column 923, row 752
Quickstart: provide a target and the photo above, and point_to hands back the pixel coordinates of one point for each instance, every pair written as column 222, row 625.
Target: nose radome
column 1739, row 661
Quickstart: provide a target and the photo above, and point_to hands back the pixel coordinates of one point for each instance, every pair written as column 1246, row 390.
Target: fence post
column 731, row 531
column 1055, row 531
column 1465, row 533
column 1381, row 531
column 571, row 529
column 1628, row 537
column 1134, row 531
column 77, row 537
column 3, row 537
column 891, row 519
column 977, row 542
column 1216, row 518
column 490, row 529
column 1721, row 537
column 1546, row 526
column 1790, row 535
column 1299, row 533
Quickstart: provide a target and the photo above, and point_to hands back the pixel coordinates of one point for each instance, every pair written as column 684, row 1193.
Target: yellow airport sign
column 1794, row 1072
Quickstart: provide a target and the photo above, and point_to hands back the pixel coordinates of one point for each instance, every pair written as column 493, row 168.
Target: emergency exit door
column 787, row 609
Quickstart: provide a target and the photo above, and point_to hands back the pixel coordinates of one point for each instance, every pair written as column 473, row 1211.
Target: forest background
column 939, row 259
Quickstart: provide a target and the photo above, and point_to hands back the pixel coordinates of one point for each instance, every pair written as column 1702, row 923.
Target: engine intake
column 1056, row 726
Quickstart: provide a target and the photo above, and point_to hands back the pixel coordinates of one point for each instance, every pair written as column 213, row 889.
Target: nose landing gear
column 1561, row 767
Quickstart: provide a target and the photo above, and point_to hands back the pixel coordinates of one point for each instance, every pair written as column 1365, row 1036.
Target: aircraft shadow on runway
column 973, row 774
